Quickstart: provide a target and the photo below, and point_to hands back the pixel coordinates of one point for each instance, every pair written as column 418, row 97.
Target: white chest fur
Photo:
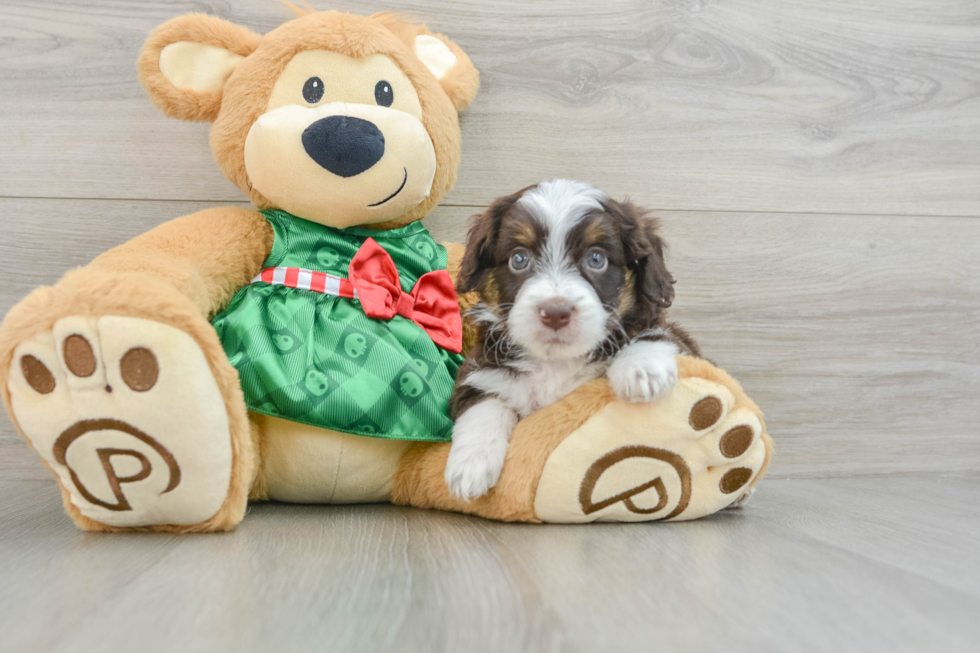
column 530, row 385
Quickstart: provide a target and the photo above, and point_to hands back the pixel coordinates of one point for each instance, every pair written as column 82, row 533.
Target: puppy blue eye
column 519, row 260
column 313, row 90
column 596, row 260
column 383, row 94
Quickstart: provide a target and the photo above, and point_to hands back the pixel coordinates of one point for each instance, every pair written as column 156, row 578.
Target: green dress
column 318, row 359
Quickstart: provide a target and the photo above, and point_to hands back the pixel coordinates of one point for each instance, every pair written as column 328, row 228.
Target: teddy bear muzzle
column 340, row 164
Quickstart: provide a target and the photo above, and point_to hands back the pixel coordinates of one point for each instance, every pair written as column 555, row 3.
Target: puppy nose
column 344, row 145
column 555, row 313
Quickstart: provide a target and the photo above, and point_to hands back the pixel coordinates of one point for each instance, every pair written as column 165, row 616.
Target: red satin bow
column 432, row 303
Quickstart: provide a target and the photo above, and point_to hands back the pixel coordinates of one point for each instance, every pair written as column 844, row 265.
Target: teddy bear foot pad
column 128, row 415
column 692, row 452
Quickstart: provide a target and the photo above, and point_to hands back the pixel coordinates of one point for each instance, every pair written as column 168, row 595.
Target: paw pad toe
column 79, row 356
column 736, row 441
column 37, row 375
column 706, row 413
column 734, row 479
column 139, row 369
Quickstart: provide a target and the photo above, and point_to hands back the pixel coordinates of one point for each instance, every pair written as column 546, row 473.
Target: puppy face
column 564, row 269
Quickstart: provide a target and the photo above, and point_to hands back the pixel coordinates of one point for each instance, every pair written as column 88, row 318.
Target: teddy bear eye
column 313, row 90
column 383, row 94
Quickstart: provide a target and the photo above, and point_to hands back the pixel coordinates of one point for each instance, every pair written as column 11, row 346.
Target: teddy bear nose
column 344, row 145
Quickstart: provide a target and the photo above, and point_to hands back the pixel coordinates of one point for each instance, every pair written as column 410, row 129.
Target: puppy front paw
column 479, row 447
column 472, row 471
column 643, row 371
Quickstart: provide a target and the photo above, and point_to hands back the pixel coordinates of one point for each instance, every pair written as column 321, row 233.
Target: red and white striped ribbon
column 304, row 279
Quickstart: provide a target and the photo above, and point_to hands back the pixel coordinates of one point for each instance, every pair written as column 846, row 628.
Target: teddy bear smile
column 404, row 181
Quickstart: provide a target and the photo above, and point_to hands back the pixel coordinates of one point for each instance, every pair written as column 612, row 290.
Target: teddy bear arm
column 207, row 256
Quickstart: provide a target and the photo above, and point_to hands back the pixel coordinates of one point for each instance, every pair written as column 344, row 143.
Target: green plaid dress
column 318, row 359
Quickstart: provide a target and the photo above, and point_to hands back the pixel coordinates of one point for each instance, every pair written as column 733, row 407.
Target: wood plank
column 762, row 105
column 789, row 572
column 52, row 576
column 856, row 335
column 945, row 507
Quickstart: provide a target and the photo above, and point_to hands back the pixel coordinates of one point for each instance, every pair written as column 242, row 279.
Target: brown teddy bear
column 305, row 352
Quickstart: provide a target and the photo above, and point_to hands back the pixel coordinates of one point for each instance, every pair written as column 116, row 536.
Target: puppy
column 573, row 286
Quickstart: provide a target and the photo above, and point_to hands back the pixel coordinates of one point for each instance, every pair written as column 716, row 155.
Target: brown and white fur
column 573, row 287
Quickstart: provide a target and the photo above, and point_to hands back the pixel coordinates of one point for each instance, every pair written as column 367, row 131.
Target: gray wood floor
column 884, row 564
column 816, row 165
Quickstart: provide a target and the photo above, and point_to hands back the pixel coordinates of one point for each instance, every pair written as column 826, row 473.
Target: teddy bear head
column 339, row 119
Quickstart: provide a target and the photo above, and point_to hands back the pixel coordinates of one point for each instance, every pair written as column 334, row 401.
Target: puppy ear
column 481, row 244
column 186, row 61
column 644, row 250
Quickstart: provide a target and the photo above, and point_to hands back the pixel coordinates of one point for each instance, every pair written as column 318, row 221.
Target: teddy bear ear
column 186, row 61
column 450, row 65
column 444, row 59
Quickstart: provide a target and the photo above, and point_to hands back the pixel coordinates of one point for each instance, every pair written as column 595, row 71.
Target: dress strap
column 303, row 279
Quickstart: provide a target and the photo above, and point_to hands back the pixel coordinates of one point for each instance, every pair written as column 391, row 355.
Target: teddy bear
column 305, row 351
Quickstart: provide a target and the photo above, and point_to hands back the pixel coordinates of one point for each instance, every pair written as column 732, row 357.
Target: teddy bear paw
column 128, row 415
column 693, row 452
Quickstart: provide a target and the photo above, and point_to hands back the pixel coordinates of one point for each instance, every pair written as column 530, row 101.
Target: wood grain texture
column 789, row 138
column 856, row 335
column 761, row 105
column 830, row 565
